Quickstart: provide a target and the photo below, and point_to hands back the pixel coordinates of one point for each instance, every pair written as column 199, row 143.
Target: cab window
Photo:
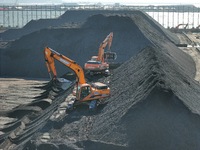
column 85, row 91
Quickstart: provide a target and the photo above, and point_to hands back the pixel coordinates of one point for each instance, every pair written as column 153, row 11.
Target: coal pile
column 69, row 19
column 74, row 41
column 151, row 107
column 155, row 105
column 155, row 100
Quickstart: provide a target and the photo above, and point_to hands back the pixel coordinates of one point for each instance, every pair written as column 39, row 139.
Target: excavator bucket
column 110, row 55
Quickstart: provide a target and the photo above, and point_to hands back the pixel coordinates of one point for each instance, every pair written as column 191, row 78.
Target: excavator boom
column 51, row 54
column 107, row 41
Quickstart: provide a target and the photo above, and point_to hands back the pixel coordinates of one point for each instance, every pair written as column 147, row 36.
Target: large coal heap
column 72, row 42
column 154, row 102
column 78, row 41
column 151, row 90
column 69, row 18
column 152, row 105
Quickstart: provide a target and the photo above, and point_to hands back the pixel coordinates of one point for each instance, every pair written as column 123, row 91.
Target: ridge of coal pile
column 154, row 104
column 27, row 51
column 68, row 19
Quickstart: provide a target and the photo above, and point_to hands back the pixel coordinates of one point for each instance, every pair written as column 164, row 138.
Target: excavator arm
column 107, row 41
column 50, row 56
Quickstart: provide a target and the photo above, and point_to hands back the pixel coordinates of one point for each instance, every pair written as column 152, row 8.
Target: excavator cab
column 109, row 56
column 85, row 91
column 82, row 91
column 94, row 58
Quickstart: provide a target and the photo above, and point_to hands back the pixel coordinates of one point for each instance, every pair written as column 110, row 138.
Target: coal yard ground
column 155, row 90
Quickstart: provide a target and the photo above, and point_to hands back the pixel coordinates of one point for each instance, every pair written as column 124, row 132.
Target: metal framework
column 168, row 16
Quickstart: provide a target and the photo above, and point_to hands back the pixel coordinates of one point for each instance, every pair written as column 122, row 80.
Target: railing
column 168, row 16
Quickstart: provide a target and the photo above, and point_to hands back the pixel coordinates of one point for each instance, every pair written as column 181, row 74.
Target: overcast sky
column 196, row 2
column 140, row 1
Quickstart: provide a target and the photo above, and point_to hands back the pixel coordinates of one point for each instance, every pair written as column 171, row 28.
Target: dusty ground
column 15, row 92
column 15, row 87
column 193, row 49
column 195, row 54
column 154, row 102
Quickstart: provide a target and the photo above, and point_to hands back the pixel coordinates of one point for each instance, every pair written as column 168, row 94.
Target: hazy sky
column 140, row 1
column 145, row 2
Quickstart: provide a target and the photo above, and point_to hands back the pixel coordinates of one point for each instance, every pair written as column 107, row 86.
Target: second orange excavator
column 92, row 94
column 99, row 64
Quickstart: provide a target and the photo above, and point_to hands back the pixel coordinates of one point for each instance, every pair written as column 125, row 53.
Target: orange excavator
column 93, row 94
column 99, row 64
